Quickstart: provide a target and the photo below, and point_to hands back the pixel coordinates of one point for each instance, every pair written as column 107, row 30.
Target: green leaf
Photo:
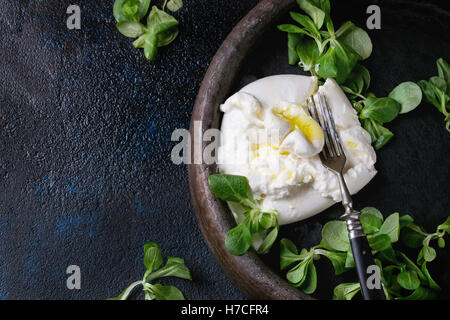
column 357, row 39
column 239, row 239
column 372, row 211
column 370, row 98
column 429, row 254
column 346, row 291
column 346, row 59
column 315, row 11
column 379, row 134
column 293, row 40
column 387, row 273
column 174, row 267
column 444, row 72
column 130, row 10
column 431, row 283
column 379, row 241
column 358, row 80
column 358, row 105
column 441, row 243
column 174, row 5
column 268, row 220
column 288, row 253
column 308, row 52
column 130, row 29
column 290, row 28
column 420, row 258
column 229, row 187
column 309, row 285
column 349, row 261
column 335, row 235
column 254, row 224
column 421, row 293
column 152, row 256
column 328, row 64
column 268, row 240
column 161, row 30
column 405, row 220
column 167, row 37
column 388, row 255
column 408, row 280
column 445, row 226
column 150, row 46
column 411, row 238
column 297, row 275
column 166, row 292
column 337, row 62
column 153, row 260
column 430, row 94
column 391, row 227
column 159, row 21
column 439, row 83
column 381, row 110
column 371, row 223
column 411, row 265
column 306, row 22
column 139, row 42
column 408, row 94
column 329, row 24
column 436, row 92
column 443, row 69
column 337, row 259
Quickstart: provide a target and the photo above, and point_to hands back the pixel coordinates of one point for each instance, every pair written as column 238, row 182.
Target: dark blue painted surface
column 85, row 170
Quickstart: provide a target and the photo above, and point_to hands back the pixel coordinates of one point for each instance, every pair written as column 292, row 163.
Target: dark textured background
column 85, row 171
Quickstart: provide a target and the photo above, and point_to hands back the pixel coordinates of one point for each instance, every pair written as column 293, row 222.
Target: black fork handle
column 366, row 268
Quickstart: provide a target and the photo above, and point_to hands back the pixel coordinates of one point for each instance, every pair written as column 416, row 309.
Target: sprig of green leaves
column 437, row 90
column 375, row 112
column 153, row 260
column 160, row 30
column 401, row 277
column 414, row 236
column 326, row 53
column 255, row 221
column 334, row 54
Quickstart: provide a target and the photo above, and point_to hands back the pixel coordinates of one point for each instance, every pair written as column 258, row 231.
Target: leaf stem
column 130, row 288
column 249, row 203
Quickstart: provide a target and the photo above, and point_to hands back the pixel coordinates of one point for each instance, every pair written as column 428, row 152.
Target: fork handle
column 362, row 254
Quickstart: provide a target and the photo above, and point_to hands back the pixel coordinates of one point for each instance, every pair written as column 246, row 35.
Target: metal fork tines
column 324, row 117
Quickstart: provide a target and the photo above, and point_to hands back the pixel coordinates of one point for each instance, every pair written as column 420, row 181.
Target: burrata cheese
column 268, row 136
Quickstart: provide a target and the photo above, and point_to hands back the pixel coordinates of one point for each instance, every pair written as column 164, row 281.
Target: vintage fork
column 333, row 158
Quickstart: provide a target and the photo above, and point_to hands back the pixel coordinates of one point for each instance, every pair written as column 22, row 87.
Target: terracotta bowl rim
column 249, row 273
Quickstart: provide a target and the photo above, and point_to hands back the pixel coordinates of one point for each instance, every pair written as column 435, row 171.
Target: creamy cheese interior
column 268, row 136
